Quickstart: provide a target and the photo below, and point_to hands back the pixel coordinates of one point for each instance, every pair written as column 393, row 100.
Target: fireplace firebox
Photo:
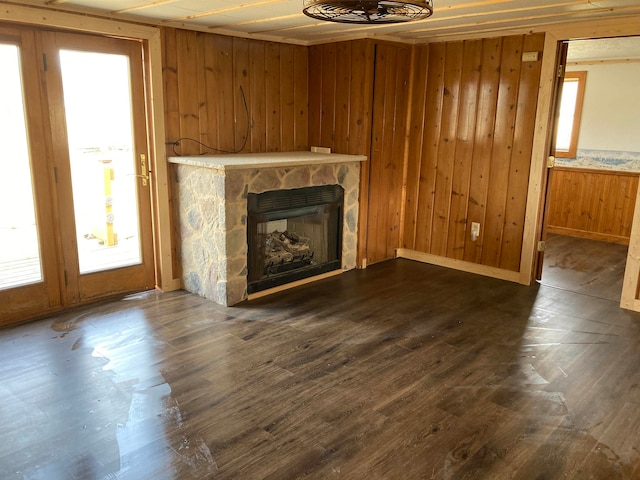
column 293, row 234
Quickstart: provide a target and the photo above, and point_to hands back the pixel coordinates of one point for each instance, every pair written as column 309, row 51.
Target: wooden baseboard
column 461, row 265
column 602, row 237
column 297, row 283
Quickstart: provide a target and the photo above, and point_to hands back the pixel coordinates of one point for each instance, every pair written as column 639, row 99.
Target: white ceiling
column 604, row 49
column 283, row 20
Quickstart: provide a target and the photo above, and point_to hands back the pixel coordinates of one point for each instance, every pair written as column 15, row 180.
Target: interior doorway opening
column 592, row 192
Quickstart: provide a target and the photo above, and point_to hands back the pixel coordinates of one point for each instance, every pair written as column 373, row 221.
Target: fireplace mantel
column 211, row 199
column 239, row 161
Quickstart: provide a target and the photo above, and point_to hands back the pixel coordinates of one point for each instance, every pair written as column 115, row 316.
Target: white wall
column 611, row 110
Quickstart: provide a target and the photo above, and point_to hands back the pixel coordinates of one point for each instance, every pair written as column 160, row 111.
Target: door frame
column 535, row 202
column 166, row 271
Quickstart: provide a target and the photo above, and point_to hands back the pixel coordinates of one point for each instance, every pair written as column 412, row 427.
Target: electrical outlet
column 475, row 231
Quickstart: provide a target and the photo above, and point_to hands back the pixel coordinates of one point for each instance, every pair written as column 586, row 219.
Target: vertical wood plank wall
column 595, row 204
column 470, row 109
column 471, row 134
column 358, row 100
column 386, row 168
column 203, row 75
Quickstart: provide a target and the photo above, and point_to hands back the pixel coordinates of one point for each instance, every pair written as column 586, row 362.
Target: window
column 570, row 113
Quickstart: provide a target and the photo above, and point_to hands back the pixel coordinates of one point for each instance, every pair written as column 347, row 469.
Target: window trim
column 581, row 78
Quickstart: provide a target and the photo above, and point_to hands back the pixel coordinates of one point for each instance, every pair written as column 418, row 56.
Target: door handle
column 144, row 170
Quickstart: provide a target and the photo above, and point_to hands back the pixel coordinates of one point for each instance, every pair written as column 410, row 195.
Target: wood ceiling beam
column 225, row 10
column 519, row 25
column 415, row 32
column 157, row 3
column 512, row 10
column 263, row 20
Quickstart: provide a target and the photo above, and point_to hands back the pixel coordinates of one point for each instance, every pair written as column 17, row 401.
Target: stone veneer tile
column 213, row 220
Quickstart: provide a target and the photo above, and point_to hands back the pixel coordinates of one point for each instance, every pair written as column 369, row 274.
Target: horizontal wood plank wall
column 596, row 204
column 204, row 76
column 340, row 107
column 471, row 136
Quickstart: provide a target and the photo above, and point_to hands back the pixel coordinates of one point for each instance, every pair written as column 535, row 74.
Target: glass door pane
column 97, row 103
column 20, row 262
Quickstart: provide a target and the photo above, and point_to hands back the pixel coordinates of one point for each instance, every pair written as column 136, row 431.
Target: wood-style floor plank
column 402, row 370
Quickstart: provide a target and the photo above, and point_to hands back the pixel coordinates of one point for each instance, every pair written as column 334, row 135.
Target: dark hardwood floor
column 584, row 266
column 400, row 371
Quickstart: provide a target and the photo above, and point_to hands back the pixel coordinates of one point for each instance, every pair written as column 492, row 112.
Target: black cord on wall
column 176, row 143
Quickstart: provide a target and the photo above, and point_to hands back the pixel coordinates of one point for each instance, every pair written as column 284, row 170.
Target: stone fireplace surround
column 212, row 211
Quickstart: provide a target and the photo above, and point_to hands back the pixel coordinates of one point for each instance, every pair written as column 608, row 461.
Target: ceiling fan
column 368, row 11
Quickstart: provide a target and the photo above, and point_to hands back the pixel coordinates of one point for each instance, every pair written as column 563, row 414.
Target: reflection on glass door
column 20, row 262
column 97, row 103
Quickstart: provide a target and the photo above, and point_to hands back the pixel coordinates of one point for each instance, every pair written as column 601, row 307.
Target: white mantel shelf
column 243, row 161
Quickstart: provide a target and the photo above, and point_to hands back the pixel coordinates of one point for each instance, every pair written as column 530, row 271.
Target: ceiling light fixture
column 368, row 11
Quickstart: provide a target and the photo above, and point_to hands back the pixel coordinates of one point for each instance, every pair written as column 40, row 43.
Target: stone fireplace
column 212, row 206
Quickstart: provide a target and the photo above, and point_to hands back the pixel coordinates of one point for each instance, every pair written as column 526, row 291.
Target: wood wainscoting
column 594, row 204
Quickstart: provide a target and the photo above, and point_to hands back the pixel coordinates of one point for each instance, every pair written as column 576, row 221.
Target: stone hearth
column 212, row 211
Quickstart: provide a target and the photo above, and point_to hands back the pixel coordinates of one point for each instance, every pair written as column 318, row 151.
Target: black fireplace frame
column 285, row 204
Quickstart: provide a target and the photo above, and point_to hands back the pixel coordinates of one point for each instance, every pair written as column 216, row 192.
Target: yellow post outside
column 110, row 237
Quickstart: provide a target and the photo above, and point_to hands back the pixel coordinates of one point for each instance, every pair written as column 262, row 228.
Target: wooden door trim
column 167, row 278
column 537, row 172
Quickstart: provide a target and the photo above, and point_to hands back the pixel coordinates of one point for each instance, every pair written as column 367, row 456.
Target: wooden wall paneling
column 287, row 107
column 560, row 187
column 208, row 101
column 170, row 84
column 592, row 196
column 595, row 204
column 464, row 141
column 432, row 114
column 360, row 97
column 616, row 211
column 225, row 95
column 257, row 105
column 360, row 114
column 241, row 81
column 172, row 127
column 483, row 144
column 301, row 98
column 627, row 210
column 315, row 93
column 511, row 249
column 342, row 97
column 328, row 95
column 188, row 74
column 446, row 149
column 606, row 208
column 502, row 149
column 387, row 150
column 400, row 76
column 272, row 96
column 417, row 125
column 378, row 188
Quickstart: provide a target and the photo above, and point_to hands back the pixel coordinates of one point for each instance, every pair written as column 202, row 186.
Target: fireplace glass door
column 293, row 234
